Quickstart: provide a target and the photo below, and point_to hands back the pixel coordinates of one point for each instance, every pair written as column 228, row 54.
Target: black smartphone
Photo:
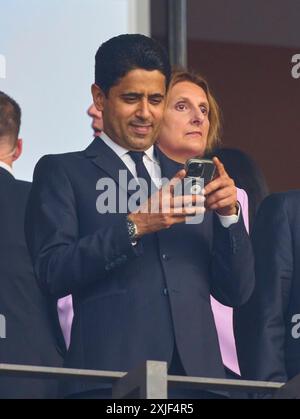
column 201, row 168
column 199, row 173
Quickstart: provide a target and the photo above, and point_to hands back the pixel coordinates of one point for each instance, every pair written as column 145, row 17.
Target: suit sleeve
column 232, row 264
column 244, row 203
column 63, row 261
column 260, row 324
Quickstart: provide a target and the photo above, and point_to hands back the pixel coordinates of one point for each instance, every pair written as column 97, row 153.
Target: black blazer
column 131, row 304
column 30, row 337
column 268, row 326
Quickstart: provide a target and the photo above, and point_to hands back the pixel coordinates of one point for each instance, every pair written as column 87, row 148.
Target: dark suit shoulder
column 291, row 198
column 16, row 191
column 23, row 184
column 280, row 197
column 21, row 190
column 288, row 202
column 57, row 158
column 56, row 163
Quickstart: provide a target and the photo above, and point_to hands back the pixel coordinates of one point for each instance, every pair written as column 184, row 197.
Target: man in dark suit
column 141, row 281
column 27, row 335
column 268, row 326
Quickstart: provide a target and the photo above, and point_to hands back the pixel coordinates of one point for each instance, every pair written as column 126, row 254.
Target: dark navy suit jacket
column 131, row 304
column 268, row 326
column 30, row 336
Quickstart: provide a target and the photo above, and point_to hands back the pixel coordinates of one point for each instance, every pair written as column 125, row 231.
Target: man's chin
column 142, row 142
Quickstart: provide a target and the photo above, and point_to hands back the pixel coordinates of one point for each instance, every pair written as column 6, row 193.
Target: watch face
column 131, row 228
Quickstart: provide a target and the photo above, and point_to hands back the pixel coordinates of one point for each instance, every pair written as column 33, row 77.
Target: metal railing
column 151, row 381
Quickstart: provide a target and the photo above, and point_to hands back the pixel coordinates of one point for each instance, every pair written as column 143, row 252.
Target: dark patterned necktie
column 142, row 172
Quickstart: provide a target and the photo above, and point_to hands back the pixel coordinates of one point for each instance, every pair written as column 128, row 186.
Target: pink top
column 224, row 315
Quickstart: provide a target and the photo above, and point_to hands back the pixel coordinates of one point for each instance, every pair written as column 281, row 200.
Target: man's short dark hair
column 10, row 117
column 123, row 53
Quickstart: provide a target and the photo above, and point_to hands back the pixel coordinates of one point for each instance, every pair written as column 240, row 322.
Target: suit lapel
column 104, row 157
column 168, row 167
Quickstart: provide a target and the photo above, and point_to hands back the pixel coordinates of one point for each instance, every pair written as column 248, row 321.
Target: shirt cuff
column 228, row 220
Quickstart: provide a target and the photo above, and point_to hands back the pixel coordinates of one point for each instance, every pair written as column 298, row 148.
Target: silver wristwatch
column 132, row 231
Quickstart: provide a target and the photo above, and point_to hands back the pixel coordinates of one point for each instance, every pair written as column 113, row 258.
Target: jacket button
column 165, row 291
column 165, row 257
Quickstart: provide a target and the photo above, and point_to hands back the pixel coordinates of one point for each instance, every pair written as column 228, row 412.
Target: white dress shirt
column 6, row 167
column 150, row 161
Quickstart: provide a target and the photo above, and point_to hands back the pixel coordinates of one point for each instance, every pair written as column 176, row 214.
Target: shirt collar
column 121, row 151
column 150, row 153
column 6, row 167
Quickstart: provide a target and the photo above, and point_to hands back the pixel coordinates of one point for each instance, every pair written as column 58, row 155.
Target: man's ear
column 18, row 150
column 98, row 97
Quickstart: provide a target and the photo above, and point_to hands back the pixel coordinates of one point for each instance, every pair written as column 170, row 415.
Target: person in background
column 30, row 329
column 191, row 127
column 247, row 175
column 97, row 120
column 268, row 325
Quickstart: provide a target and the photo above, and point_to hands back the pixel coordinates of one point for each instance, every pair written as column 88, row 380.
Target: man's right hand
column 163, row 209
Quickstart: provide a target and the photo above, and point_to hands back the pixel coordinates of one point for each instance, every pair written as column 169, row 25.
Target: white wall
column 47, row 51
column 2, row 67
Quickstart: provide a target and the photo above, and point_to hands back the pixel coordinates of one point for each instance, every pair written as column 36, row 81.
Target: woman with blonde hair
column 192, row 121
column 190, row 128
